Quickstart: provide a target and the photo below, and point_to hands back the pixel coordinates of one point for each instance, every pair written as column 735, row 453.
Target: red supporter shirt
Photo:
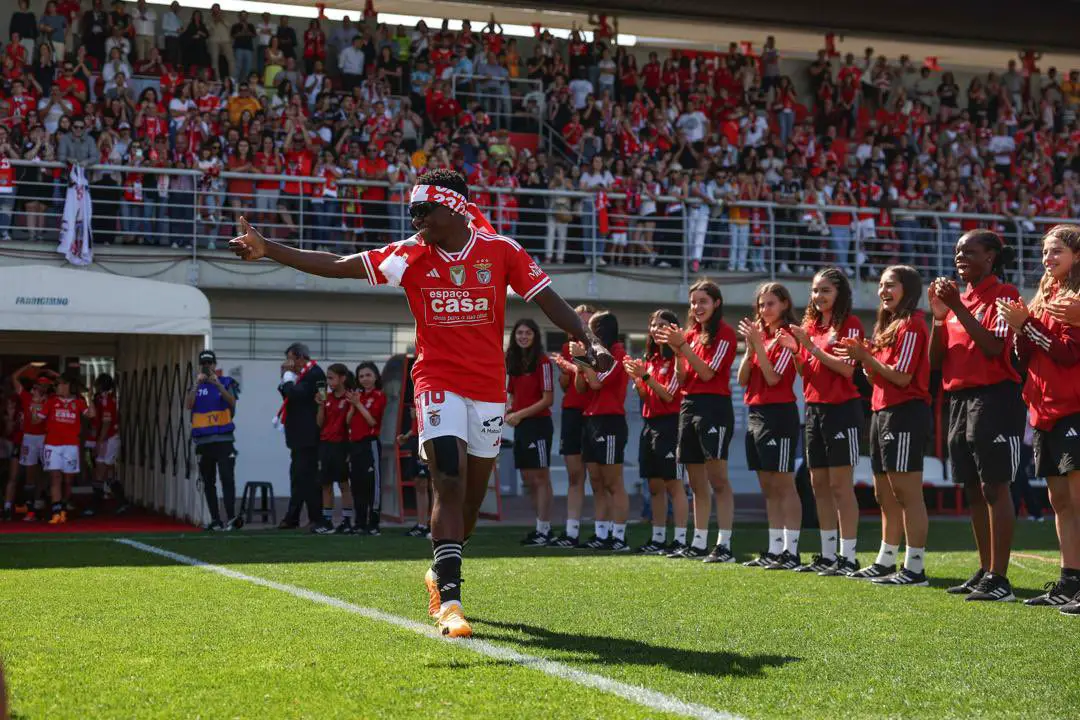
column 105, row 410
column 907, row 355
column 820, row 384
column 459, row 303
column 719, row 354
column 572, row 399
column 759, row 392
column 611, row 398
column 965, row 365
column 335, row 409
column 32, row 409
column 375, row 403
column 1052, row 351
column 528, row 389
column 664, row 370
column 63, row 420
column 298, row 163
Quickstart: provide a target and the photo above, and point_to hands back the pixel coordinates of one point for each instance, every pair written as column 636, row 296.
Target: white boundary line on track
column 634, row 693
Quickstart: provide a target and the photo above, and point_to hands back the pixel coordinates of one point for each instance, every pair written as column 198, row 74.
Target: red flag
column 601, row 213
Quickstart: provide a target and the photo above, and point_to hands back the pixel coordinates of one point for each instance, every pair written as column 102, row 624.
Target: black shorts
column 772, row 436
column 532, row 443
column 572, row 431
column 659, row 439
column 333, row 459
column 1057, row 451
column 898, row 437
column 605, row 439
column 365, row 457
column 986, row 429
column 832, row 434
column 706, row 422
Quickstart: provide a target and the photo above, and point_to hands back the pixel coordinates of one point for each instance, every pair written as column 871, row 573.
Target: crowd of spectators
column 665, row 146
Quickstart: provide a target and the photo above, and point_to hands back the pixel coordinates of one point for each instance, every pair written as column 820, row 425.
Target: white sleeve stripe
column 907, row 352
column 366, row 259
column 673, row 385
column 783, row 361
column 1001, row 328
column 718, row 356
column 1037, row 337
column 536, row 289
column 547, row 377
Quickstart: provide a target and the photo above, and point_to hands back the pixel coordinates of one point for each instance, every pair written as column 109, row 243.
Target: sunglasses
column 422, row 209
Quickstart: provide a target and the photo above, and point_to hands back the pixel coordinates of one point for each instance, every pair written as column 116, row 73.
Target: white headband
column 441, row 196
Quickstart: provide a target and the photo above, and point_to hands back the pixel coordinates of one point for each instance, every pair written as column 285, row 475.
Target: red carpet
column 136, row 521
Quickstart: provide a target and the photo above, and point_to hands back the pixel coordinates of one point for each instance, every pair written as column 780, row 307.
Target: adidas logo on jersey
column 839, row 436
column 433, row 273
column 669, row 455
column 770, row 443
column 888, row 436
column 1071, row 432
column 1000, row 439
column 532, row 446
column 712, row 431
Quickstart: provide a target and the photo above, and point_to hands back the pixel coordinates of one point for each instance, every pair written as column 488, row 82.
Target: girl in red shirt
column 834, row 417
column 63, row 424
column 767, row 371
column 605, row 434
column 1049, row 347
column 706, row 350
column 656, row 379
column 367, row 405
column 898, row 368
column 334, row 450
column 530, row 383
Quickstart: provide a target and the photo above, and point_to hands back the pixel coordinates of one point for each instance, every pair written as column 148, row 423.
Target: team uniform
column 772, row 426
column 32, row 447
column 605, row 416
column 572, row 429
column 900, row 424
column 660, row 434
column 706, row 418
column 533, row 435
column 63, row 424
column 105, row 409
column 834, row 413
column 459, row 302
column 365, row 458
column 333, row 440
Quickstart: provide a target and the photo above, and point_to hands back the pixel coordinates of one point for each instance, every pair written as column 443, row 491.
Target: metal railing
column 497, row 96
column 184, row 210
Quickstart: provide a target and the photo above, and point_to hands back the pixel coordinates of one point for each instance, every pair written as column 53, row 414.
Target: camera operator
column 212, row 403
column 303, row 387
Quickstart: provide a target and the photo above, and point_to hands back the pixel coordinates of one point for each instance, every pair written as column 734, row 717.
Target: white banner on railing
column 76, row 243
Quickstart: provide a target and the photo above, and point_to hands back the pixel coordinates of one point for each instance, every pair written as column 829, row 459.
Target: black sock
column 447, row 567
column 117, row 491
column 1070, row 573
column 99, row 494
column 57, row 508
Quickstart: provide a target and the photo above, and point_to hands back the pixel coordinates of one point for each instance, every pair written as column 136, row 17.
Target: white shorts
column 106, row 455
column 479, row 424
column 618, row 239
column 64, row 458
column 32, row 446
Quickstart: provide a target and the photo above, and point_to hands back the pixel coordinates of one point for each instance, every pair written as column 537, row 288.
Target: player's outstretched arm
column 564, row 317
column 253, row 246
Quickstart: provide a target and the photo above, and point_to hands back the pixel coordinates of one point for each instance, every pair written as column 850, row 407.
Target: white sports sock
column 776, row 540
column 847, row 549
column 618, row 530
column 603, row 530
column 887, row 554
column 724, row 538
column 791, row 541
column 828, row 544
column 544, row 528
column 680, row 535
column 913, row 561
column 701, row 539
column 448, row 603
column 573, row 527
column 659, row 532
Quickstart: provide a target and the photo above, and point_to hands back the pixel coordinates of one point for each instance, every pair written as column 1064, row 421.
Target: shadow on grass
column 600, row 650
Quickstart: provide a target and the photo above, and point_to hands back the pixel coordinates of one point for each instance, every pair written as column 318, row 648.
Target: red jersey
column 820, row 384
column 1051, row 350
column 528, row 389
column 759, row 392
column 335, row 410
column 459, row 303
column 664, row 371
column 718, row 354
column 33, row 413
column 63, row 420
column 651, row 72
column 374, row 401
column 572, row 399
column 298, row 163
column 105, row 410
column 611, row 398
column 908, row 355
column 964, row 364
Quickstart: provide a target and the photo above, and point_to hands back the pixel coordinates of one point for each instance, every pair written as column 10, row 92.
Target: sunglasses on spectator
column 421, row 210
column 78, row 126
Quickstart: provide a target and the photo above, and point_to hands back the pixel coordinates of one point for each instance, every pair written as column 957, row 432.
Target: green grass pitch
column 96, row 629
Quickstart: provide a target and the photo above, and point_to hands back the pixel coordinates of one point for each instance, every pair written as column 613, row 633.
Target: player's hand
column 671, row 335
column 512, row 419
column 788, row 341
column 562, row 363
column 251, row 245
column 801, row 336
column 750, row 331
column 634, row 368
column 948, row 293
column 200, row 379
column 1014, row 312
column 937, row 306
column 402, row 439
column 853, row 349
column 1066, row 310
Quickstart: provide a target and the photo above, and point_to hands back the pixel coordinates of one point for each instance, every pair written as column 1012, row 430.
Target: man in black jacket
column 301, row 382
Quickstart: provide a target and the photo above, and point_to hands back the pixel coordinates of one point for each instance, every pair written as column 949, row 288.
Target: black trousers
column 365, row 476
column 218, row 460
column 304, row 485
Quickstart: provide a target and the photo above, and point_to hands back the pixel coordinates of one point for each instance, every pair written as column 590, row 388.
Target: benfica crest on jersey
column 483, row 272
column 457, row 275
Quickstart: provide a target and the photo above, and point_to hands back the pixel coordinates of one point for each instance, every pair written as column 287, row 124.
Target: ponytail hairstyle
column 606, row 328
column 1069, row 236
column 519, row 360
column 1004, row 255
column 651, row 346
column 712, row 326
column 368, row 365
column 841, row 309
column 781, row 293
column 888, row 322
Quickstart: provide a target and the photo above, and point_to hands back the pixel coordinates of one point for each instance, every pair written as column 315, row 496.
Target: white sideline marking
column 634, row 693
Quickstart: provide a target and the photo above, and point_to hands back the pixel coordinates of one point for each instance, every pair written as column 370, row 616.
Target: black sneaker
column 417, row 530
column 694, row 553
column 1061, row 592
column 992, row 588
column 235, row 523
column 720, row 554
column 326, row 527
column 904, row 577
column 344, row 528
column 1072, row 609
column 675, row 550
column 616, row 545
column 842, row 567
column 762, row 560
column 215, row 526
column 650, row 548
column 874, row 572
column 594, row 543
column 564, row 541
column 535, row 539
column 88, row 513
column 968, row 585
column 785, row 561
column 818, row 564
